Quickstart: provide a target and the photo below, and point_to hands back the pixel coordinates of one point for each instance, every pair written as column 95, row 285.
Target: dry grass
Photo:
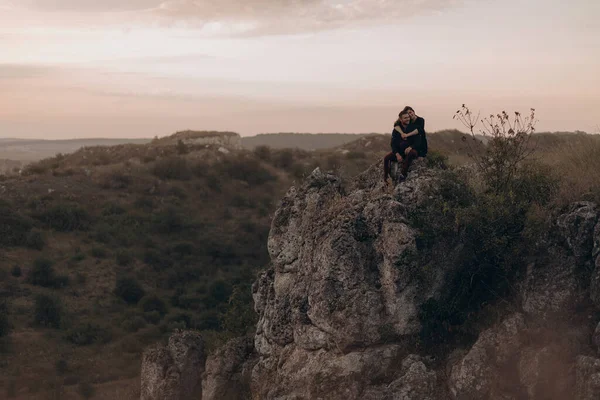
column 577, row 164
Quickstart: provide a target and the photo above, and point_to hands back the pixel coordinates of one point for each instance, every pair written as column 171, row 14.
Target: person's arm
column 413, row 133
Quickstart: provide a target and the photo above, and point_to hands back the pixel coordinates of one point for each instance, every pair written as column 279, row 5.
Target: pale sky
column 144, row 68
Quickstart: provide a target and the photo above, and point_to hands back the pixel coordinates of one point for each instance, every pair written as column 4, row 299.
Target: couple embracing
column 408, row 142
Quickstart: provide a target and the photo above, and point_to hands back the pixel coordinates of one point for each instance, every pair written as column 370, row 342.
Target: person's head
column 404, row 117
column 411, row 112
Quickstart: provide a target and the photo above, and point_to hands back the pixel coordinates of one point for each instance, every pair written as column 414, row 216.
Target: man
column 398, row 143
column 415, row 135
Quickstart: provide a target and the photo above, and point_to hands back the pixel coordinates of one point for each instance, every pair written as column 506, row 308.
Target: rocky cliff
column 339, row 309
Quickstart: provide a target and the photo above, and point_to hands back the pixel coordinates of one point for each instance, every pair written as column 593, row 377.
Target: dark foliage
column 129, row 290
column 174, row 167
column 35, row 240
column 16, row 271
column 4, row 322
column 66, row 217
column 489, row 230
column 14, row 228
column 42, row 274
column 88, row 333
column 152, row 303
column 48, row 311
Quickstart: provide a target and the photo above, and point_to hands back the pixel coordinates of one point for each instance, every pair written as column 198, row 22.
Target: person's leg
column 386, row 165
column 408, row 159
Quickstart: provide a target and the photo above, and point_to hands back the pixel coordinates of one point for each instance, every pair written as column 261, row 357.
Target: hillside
column 304, row 141
column 34, row 150
column 109, row 249
column 441, row 288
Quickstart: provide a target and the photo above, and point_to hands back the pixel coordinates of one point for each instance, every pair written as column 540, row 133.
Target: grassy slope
column 193, row 226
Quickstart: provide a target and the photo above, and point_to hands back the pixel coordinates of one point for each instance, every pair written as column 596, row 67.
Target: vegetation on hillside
column 485, row 220
column 107, row 250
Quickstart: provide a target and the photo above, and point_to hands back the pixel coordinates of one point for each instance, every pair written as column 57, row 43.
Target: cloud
column 23, row 71
column 297, row 14
column 89, row 5
column 252, row 16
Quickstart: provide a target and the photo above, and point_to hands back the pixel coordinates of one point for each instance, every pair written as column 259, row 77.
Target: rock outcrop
column 475, row 376
column 588, row 378
column 174, row 371
column 228, row 371
column 343, row 283
column 555, row 283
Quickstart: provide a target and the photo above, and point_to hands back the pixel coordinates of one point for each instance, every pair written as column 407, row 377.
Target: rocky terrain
column 339, row 310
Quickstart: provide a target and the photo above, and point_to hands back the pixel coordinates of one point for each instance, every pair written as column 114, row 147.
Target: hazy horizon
column 145, row 68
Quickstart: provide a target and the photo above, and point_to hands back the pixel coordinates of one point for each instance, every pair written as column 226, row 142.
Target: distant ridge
column 305, row 141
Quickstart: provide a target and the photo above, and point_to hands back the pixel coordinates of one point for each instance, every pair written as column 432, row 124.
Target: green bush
column 117, row 180
column 157, row 260
column 66, row 217
column 88, row 333
column 152, row 303
column 103, row 233
column 35, row 169
column 239, row 318
column 48, row 311
column 129, row 290
column 263, row 153
column 207, row 321
column 42, row 273
column 14, row 227
column 214, row 183
column 283, row 159
column 354, row 155
column 172, row 168
column 133, row 324
column 124, row 258
column 436, row 159
column 145, row 203
column 86, row 390
column 168, row 221
column 35, row 240
column 16, row 271
column 220, row 291
column 181, row 147
column 182, row 319
column 4, row 323
column 78, row 257
column 112, row 209
column 61, row 366
column 153, row 317
column 98, row 252
column 480, row 236
column 245, row 169
column 178, row 192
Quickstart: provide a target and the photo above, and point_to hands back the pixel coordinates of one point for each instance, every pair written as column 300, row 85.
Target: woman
column 417, row 132
column 398, row 143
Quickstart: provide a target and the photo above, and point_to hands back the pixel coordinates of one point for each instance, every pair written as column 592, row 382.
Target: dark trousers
column 387, row 164
column 407, row 160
